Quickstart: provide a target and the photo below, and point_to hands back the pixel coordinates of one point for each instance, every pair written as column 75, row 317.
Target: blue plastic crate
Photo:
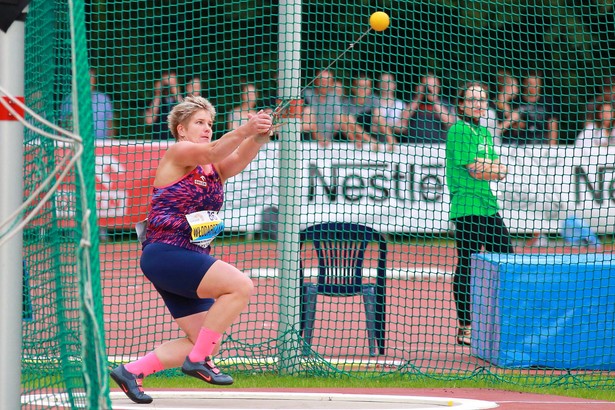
column 553, row 311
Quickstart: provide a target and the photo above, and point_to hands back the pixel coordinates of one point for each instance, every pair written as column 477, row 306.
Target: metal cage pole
column 11, row 197
column 289, row 82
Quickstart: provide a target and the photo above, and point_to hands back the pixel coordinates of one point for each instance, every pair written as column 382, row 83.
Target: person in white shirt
column 599, row 128
column 394, row 112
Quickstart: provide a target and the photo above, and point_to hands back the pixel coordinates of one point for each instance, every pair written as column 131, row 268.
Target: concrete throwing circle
column 233, row 400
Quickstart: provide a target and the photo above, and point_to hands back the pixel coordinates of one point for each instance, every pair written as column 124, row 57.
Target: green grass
column 553, row 385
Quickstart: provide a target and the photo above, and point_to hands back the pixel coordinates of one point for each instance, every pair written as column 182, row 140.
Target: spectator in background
column 166, row 95
column 325, row 116
column 193, row 87
column 394, row 112
column 364, row 105
column 608, row 89
column 431, row 114
column 490, row 120
column 246, row 108
column 599, row 128
column 102, row 111
column 507, row 92
column 538, row 115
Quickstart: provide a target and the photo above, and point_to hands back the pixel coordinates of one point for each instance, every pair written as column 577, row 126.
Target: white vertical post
column 11, row 197
column 289, row 82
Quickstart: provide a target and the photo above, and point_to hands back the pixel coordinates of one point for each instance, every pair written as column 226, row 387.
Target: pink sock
column 204, row 345
column 146, row 365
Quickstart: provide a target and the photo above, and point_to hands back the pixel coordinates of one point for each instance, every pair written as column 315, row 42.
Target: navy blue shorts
column 176, row 274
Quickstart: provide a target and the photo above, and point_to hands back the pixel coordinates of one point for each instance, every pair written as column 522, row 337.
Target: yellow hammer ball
column 379, row 21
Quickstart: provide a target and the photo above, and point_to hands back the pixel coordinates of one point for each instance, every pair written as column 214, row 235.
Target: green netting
column 547, row 69
column 63, row 355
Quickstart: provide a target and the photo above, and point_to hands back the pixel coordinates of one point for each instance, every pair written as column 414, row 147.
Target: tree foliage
column 572, row 41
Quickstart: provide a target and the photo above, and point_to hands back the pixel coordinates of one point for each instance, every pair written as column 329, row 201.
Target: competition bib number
column 205, row 226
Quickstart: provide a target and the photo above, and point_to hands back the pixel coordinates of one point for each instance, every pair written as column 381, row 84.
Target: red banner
column 125, row 172
column 124, row 177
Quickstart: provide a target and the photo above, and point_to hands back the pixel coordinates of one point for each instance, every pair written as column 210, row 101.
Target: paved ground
column 227, row 400
column 357, row 399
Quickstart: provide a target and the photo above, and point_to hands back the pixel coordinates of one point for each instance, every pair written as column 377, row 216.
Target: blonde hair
column 183, row 111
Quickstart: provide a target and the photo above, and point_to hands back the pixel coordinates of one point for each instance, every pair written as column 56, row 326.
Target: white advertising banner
column 400, row 191
column 405, row 190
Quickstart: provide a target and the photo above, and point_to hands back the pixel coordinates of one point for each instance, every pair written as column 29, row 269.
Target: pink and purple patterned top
column 166, row 220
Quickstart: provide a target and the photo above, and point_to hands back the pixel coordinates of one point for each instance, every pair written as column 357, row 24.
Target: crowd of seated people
column 326, row 116
column 373, row 112
column 364, row 105
column 520, row 112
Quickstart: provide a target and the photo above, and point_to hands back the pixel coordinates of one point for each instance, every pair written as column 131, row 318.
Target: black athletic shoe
column 206, row 371
column 130, row 384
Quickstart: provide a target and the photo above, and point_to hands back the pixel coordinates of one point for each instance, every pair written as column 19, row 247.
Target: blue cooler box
column 554, row 311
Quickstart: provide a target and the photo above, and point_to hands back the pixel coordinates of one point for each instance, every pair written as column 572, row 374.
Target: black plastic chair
column 341, row 251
